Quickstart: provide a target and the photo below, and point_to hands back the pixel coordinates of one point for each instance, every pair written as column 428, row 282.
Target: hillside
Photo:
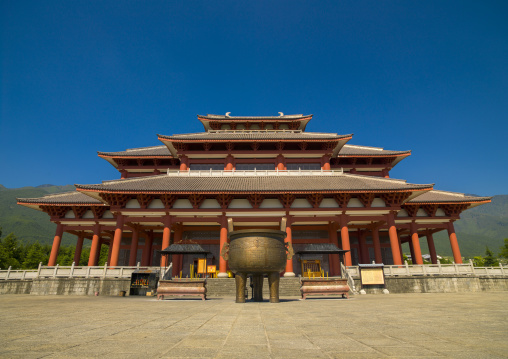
column 27, row 224
column 482, row 226
column 485, row 225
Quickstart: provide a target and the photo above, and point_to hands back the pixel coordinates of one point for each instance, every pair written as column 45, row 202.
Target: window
column 303, row 166
column 255, row 166
column 206, row 167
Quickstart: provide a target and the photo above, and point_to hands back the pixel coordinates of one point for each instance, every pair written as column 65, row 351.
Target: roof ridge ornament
column 281, row 114
column 227, row 114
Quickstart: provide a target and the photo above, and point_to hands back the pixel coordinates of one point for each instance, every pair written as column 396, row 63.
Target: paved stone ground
column 372, row 326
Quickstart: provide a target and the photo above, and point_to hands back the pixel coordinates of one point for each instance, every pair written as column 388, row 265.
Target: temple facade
column 255, row 171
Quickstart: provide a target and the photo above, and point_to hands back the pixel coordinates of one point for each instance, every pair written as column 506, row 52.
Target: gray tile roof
column 255, row 135
column 436, row 196
column 162, row 151
column 352, row 150
column 253, row 118
column 65, row 198
column 154, row 151
column 238, row 184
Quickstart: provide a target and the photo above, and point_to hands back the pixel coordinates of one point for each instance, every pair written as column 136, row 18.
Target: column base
column 289, row 274
column 222, row 275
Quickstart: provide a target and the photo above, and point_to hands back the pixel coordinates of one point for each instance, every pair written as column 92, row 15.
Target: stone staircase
column 225, row 287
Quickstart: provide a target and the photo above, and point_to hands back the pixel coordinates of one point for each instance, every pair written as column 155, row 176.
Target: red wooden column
column 79, row 247
column 95, row 250
column 325, row 163
column 134, row 246
column 432, row 248
column 333, row 258
column 417, row 259
column 344, row 236
column 184, row 163
column 117, row 240
column 289, row 239
column 377, row 245
column 223, row 240
column 394, row 240
column 280, row 163
column 453, row 242
column 229, row 166
column 56, row 245
column 166, row 237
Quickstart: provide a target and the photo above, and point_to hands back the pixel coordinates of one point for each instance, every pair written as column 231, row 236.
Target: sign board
column 211, row 269
column 372, row 276
column 202, row 266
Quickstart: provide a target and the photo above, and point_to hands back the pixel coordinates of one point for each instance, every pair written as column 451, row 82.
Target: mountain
column 482, row 226
column 485, row 225
column 27, row 224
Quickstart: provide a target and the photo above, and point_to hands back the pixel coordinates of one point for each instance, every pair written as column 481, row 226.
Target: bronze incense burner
column 257, row 252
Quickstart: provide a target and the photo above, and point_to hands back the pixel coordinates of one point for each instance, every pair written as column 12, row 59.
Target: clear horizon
column 80, row 77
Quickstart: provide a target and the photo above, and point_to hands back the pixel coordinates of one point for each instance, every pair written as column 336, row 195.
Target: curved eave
column 37, row 205
column 111, row 160
column 105, row 156
column 400, row 157
column 401, row 154
column 471, row 203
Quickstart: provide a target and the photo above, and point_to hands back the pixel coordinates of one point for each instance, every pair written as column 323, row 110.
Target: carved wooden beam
column 315, row 199
column 55, row 211
column 167, row 200
column 287, row 199
column 342, row 199
column 255, row 199
column 366, row 199
column 115, row 199
column 224, row 200
column 144, row 199
column 98, row 211
column 79, row 211
column 196, row 200
column 452, row 210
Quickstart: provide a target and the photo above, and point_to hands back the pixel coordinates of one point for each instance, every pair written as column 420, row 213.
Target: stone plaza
column 371, row 326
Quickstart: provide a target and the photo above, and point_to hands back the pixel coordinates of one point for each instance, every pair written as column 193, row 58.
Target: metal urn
column 256, row 253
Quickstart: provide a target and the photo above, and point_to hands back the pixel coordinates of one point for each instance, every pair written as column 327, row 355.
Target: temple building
column 255, row 170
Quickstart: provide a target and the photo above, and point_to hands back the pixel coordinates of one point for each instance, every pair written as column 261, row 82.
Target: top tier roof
column 301, row 119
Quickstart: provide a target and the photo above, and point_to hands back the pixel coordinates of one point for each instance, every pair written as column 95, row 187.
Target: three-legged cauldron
column 257, row 252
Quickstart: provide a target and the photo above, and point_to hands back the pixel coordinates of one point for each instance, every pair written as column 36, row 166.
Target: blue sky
column 84, row 76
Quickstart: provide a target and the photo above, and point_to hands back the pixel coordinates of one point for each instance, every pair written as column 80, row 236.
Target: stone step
column 226, row 287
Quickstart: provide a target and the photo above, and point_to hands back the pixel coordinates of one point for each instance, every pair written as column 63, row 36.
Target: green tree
column 478, row 261
column 35, row 255
column 103, row 257
column 11, row 252
column 504, row 249
column 490, row 260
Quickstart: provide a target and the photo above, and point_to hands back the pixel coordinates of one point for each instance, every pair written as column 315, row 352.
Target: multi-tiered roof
column 260, row 164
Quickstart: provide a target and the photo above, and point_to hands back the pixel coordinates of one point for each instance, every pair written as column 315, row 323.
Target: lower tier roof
column 264, row 181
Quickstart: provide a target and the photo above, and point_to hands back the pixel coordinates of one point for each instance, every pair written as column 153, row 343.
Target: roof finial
column 227, row 114
column 281, row 114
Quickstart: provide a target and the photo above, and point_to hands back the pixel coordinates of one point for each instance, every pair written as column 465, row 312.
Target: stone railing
column 435, row 269
column 257, row 173
column 72, row 272
column 349, row 277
